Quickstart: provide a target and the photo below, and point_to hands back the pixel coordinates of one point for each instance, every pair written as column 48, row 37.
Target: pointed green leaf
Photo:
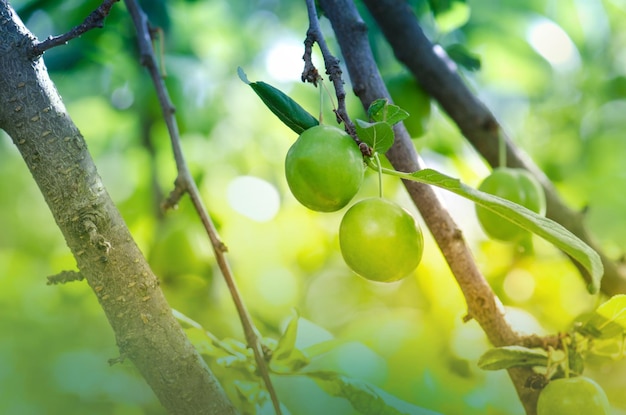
column 375, row 111
column 378, row 135
column 512, row 356
column 287, row 343
column 286, row 357
column 365, row 398
column 395, row 114
column 209, row 345
column 525, row 218
column 285, row 108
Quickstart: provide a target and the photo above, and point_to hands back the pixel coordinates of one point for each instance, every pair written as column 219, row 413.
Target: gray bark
column 33, row 115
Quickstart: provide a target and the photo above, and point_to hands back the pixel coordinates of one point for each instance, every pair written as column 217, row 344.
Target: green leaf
column 614, row 309
column 226, row 352
column 286, row 357
column 608, row 320
column 285, row 108
column 463, row 57
column 525, row 218
column 287, row 343
column 512, row 356
column 364, row 397
column 376, row 108
column 575, row 360
column 252, row 396
column 321, row 348
column 378, row 135
column 382, row 111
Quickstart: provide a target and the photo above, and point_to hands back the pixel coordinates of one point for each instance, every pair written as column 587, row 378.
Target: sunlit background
column 553, row 72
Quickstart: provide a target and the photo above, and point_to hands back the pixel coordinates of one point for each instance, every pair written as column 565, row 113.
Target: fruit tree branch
column 185, row 184
column 310, row 73
column 33, row 115
column 482, row 304
column 401, row 28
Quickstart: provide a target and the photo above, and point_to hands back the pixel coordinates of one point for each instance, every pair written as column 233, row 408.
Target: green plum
column 577, row 395
column 518, row 186
column 324, row 168
column 380, row 241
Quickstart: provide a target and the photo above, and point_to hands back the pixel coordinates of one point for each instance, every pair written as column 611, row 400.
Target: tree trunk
column 32, row 113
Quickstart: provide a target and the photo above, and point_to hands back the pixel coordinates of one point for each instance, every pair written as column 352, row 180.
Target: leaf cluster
column 235, row 362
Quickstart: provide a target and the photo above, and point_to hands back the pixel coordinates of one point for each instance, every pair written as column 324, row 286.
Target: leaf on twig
column 512, row 356
column 378, row 135
column 286, row 357
column 382, row 111
column 608, row 320
column 366, row 398
column 283, row 106
column 525, row 218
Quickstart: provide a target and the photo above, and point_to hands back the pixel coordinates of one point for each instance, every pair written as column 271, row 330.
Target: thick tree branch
column 401, row 28
column 368, row 85
column 32, row 114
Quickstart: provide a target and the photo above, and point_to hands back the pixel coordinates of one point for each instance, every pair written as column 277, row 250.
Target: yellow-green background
column 407, row 338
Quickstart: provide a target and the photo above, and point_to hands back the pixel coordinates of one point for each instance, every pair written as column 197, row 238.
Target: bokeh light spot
column 284, row 61
column 278, row 287
column 122, row 98
column 519, row 285
column 254, row 198
column 553, row 44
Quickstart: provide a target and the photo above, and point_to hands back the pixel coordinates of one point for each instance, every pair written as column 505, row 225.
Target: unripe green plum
column 518, row 186
column 380, row 241
column 569, row 396
column 324, row 168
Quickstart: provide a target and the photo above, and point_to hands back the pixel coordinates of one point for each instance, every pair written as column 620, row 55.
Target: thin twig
column 65, row 277
column 333, row 70
column 545, row 342
column 93, row 21
column 185, row 184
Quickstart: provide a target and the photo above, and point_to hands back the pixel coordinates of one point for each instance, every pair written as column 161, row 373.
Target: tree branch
column 401, row 28
column 33, row 115
column 185, row 183
column 368, row 85
column 93, row 21
column 310, row 73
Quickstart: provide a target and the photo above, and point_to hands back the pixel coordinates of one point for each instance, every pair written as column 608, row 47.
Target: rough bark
column 411, row 46
column 482, row 304
column 33, row 115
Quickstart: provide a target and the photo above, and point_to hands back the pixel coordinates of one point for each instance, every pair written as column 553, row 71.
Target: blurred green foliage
column 553, row 72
